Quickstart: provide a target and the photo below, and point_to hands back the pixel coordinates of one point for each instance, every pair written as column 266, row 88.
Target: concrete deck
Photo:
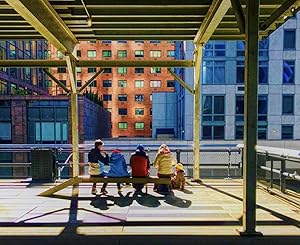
column 210, row 213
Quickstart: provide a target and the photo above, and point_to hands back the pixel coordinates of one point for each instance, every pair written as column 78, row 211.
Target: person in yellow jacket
column 164, row 161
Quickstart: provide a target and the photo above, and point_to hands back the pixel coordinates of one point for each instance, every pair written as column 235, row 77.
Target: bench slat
column 133, row 180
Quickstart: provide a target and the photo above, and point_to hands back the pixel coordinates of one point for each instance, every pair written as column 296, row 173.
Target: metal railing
column 284, row 163
column 217, row 161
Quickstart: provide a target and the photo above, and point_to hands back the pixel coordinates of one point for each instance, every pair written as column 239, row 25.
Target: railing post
column 282, row 177
column 229, row 164
column 271, row 176
column 178, row 155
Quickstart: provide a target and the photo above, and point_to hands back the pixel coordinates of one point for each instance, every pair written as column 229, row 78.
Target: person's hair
column 163, row 148
column 98, row 142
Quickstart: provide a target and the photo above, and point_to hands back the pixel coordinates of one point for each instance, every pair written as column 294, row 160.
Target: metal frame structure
column 64, row 23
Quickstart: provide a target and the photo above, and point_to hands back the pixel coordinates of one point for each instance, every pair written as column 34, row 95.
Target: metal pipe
column 286, row 174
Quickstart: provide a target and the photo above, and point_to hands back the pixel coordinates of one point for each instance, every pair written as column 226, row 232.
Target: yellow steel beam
column 43, row 17
column 90, row 80
column 97, row 63
column 183, row 83
column 212, row 19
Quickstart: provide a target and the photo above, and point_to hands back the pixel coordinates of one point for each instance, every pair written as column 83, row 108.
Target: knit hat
column 179, row 166
column 116, row 150
column 140, row 147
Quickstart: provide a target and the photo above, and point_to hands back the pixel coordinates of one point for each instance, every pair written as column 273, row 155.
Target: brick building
column 126, row 92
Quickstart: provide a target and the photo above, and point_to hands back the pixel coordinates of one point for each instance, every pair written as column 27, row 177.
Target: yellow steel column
column 74, row 121
column 197, row 79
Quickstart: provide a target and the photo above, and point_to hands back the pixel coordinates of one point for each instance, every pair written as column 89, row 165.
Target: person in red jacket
column 140, row 165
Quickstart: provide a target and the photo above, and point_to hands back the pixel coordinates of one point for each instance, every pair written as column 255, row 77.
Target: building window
column 139, row 83
column 78, row 83
column 122, row 70
column 61, row 69
column 93, row 84
column 122, row 41
column 213, row 117
column 155, row 53
column 47, row 124
column 214, row 72
column 139, row 125
column 92, row 69
column 107, row 97
column 139, row 41
column 155, row 70
column 171, row 53
column 288, row 104
column 122, row 111
column 91, row 53
column 215, row 48
column 262, row 72
column 288, row 75
column 262, row 117
column 289, row 39
column 139, row 70
column 122, row 97
column 287, row 132
column 154, row 41
column 5, row 125
column 139, row 97
column 78, row 69
column 139, row 53
column 170, row 83
column 122, row 53
column 122, row 83
column 107, row 83
column 155, row 83
column 78, row 53
column 64, row 82
column 59, row 54
column 122, row 125
column 263, row 48
column 107, row 70
column 106, row 53
column 92, row 42
column 106, row 42
column 139, row 111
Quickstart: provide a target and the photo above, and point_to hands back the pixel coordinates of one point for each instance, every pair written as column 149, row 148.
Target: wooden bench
column 88, row 179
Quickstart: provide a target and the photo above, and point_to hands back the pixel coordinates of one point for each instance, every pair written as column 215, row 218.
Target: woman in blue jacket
column 118, row 168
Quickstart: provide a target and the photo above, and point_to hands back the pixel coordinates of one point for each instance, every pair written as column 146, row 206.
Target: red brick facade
column 137, row 125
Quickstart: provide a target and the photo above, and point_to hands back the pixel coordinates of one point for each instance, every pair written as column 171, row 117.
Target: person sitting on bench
column 97, row 158
column 140, row 165
column 118, row 168
column 164, row 161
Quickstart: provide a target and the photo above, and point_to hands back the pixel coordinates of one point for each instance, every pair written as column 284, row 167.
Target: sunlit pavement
column 210, row 212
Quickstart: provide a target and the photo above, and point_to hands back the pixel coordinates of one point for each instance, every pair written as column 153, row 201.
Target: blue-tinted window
column 263, row 48
column 154, row 41
column 288, row 76
column 139, row 70
column 107, row 97
column 239, row 104
column 106, row 41
column 122, row 97
column 287, row 132
column 122, row 111
column 139, row 97
column 214, row 72
column 262, row 105
column 213, row 118
column 107, row 70
column 288, row 104
column 262, row 72
column 289, row 39
column 215, row 48
column 107, row 83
